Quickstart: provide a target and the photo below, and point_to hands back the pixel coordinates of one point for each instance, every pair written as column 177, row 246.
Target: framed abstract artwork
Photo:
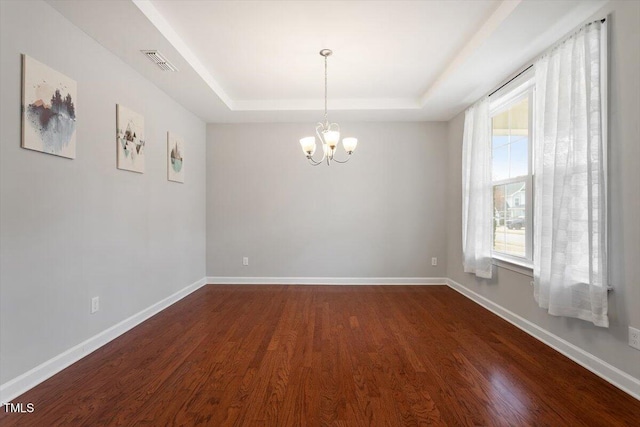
column 130, row 139
column 48, row 109
column 175, row 158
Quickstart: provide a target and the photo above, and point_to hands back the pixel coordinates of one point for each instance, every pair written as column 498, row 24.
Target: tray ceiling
column 244, row 61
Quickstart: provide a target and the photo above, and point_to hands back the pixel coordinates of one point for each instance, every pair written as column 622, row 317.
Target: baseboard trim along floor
column 419, row 281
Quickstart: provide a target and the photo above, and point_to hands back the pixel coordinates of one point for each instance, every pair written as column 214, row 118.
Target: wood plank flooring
column 330, row 356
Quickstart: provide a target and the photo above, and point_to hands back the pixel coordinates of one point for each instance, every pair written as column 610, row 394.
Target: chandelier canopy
column 328, row 133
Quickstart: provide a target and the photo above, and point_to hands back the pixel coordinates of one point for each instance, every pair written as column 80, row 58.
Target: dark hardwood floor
column 322, row 355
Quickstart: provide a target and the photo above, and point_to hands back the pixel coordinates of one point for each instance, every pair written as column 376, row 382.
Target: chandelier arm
column 338, row 161
column 334, row 152
column 323, row 144
column 313, row 161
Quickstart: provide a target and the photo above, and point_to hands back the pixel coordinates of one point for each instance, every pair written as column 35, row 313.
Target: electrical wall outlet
column 95, row 304
column 434, row 261
column 634, row 338
column 245, row 260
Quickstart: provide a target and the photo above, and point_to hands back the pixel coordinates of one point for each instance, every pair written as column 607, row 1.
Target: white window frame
column 503, row 99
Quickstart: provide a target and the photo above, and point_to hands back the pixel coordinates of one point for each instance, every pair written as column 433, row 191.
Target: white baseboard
column 218, row 280
column 15, row 387
column 608, row 372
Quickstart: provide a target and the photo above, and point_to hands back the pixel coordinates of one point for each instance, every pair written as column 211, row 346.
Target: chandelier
column 328, row 133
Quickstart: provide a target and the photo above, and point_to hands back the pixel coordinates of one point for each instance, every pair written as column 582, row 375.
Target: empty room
column 322, row 213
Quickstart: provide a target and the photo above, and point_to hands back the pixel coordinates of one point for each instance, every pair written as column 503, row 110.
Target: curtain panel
column 570, row 213
column 477, row 198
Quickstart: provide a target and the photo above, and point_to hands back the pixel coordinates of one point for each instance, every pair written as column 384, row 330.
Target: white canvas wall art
column 48, row 109
column 175, row 157
column 130, row 139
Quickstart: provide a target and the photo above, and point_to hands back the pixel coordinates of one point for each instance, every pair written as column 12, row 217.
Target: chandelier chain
column 325, row 89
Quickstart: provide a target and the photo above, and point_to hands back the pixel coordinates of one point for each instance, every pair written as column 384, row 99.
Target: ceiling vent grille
column 157, row 58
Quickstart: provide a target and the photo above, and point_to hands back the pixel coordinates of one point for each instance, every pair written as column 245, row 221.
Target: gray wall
column 512, row 290
column 381, row 215
column 74, row 229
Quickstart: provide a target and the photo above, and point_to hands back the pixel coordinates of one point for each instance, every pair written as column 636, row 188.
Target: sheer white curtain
column 570, row 249
column 477, row 201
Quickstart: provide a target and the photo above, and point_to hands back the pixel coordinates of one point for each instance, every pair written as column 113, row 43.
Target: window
column 512, row 177
column 569, row 179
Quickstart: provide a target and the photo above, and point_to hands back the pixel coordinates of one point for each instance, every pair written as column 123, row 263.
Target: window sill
column 523, row 267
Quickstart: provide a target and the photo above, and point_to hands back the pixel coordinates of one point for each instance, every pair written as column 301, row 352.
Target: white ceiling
column 256, row 61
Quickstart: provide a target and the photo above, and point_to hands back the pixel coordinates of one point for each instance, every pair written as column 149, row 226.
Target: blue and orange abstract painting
column 48, row 109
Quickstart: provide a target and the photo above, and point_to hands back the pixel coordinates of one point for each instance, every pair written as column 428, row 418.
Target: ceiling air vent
column 157, row 58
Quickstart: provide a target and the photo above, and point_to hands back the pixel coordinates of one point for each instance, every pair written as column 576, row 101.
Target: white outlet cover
column 634, row 338
column 95, row 304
